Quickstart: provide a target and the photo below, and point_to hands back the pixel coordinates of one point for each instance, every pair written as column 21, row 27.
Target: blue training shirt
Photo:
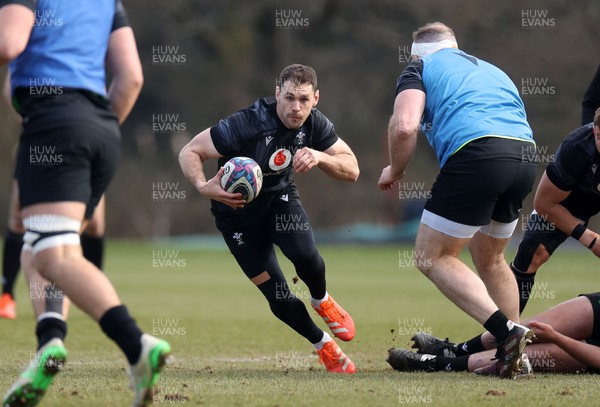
column 466, row 99
column 68, row 44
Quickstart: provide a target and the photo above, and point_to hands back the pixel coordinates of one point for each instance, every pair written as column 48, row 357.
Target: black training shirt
column 258, row 133
column 576, row 163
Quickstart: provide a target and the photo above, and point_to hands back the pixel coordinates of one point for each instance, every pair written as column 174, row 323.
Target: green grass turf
column 230, row 351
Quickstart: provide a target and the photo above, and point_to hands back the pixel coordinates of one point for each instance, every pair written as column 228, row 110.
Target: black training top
column 576, row 164
column 258, row 133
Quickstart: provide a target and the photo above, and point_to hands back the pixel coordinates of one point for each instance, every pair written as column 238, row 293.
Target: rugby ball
column 243, row 175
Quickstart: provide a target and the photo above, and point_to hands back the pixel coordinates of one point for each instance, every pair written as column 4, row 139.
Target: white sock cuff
column 326, row 338
column 314, row 301
column 50, row 314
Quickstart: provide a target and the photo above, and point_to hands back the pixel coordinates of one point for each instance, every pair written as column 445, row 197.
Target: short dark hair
column 299, row 74
column 433, row 32
column 597, row 118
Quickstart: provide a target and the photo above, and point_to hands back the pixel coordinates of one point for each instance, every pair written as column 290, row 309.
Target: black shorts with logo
column 69, row 148
column 274, row 218
column 487, row 179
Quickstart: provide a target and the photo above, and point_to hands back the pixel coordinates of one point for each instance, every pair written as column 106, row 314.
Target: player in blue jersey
column 283, row 134
column 92, row 239
column 475, row 120
column 566, row 199
column 58, row 53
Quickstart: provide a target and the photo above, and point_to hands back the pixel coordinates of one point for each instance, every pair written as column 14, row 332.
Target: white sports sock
column 326, row 338
column 317, row 303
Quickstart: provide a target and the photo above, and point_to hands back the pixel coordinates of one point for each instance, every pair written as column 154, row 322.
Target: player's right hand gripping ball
column 243, row 175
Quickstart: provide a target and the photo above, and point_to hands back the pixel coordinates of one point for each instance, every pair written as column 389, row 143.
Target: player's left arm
column 583, row 352
column 338, row 161
column 547, row 203
column 123, row 61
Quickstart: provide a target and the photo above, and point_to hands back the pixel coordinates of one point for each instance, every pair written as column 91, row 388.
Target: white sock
column 317, row 303
column 326, row 338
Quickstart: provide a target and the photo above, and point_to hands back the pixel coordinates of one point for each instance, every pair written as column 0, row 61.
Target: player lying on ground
column 567, row 341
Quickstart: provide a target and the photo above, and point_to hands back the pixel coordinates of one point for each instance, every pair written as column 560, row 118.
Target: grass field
column 230, row 351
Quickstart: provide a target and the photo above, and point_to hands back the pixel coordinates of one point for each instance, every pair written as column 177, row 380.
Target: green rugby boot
column 30, row 387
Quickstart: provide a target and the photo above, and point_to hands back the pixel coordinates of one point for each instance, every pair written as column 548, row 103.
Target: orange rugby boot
column 338, row 320
column 334, row 359
column 8, row 307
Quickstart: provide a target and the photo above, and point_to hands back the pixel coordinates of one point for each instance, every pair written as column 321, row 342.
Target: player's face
column 295, row 102
column 596, row 130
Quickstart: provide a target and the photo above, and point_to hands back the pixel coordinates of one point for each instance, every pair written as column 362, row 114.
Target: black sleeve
column 324, row 135
column 568, row 167
column 30, row 4
column 120, row 18
column 228, row 134
column 591, row 100
column 411, row 77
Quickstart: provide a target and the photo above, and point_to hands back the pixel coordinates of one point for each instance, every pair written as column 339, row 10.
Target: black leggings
column 285, row 225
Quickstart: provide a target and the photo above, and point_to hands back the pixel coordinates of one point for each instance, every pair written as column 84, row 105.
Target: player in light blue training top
column 68, row 152
column 467, row 99
column 475, row 120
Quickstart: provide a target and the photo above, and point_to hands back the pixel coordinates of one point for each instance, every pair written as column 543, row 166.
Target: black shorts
column 276, row 218
column 69, row 148
column 595, row 338
column 487, row 179
column 595, row 300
